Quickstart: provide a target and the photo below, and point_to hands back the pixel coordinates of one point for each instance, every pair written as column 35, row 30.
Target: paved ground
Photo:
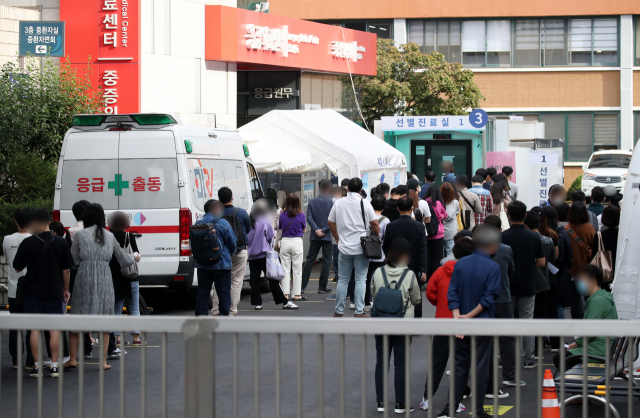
column 170, row 303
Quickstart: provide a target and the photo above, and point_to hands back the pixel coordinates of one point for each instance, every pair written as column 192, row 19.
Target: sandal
column 137, row 343
column 68, row 365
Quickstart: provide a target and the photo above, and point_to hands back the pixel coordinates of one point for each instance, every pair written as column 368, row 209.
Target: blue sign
column 478, row 118
column 41, row 38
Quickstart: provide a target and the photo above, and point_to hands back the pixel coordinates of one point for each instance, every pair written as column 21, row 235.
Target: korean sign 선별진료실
column 475, row 121
column 41, row 38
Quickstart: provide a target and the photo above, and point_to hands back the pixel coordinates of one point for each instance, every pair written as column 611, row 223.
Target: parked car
column 606, row 168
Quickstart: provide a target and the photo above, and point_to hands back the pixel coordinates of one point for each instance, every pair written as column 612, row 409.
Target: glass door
column 429, row 155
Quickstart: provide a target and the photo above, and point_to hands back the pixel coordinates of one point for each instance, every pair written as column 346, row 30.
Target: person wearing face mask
column 557, row 196
column 399, row 257
column 600, row 305
column 500, row 198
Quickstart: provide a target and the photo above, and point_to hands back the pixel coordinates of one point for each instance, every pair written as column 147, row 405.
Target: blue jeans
column 360, row 264
column 117, row 311
column 222, row 281
column 134, row 302
column 335, row 252
column 448, row 247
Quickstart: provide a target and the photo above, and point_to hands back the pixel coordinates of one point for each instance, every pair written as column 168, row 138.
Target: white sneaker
column 352, row 306
column 290, row 305
column 66, row 359
column 47, row 363
column 461, row 408
column 448, row 372
column 258, row 307
column 424, row 405
column 501, row 395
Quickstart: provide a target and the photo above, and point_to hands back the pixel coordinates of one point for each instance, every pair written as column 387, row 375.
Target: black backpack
column 434, row 223
column 205, row 244
column 238, row 229
column 388, row 301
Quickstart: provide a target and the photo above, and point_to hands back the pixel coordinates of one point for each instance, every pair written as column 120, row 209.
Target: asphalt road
column 172, row 303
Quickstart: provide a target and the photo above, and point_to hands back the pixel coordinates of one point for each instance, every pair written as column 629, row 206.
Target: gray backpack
column 388, row 301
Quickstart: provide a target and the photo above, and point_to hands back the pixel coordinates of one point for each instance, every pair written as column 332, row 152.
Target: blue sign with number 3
column 478, row 118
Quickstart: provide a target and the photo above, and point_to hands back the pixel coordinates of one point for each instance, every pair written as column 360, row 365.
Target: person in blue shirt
column 320, row 237
column 475, row 284
column 429, row 179
column 447, row 167
column 238, row 219
column 218, row 274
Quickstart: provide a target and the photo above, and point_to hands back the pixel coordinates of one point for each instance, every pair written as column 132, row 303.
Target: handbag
column 466, row 217
column 504, row 219
column 278, row 245
column 130, row 272
column 371, row 243
column 603, row 260
column 274, row 268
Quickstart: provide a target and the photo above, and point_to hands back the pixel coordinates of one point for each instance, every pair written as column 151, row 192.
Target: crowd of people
column 477, row 252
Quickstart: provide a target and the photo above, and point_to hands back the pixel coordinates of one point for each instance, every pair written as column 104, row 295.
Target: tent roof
column 303, row 141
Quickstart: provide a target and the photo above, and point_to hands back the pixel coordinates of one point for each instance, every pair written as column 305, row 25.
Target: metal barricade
column 216, row 349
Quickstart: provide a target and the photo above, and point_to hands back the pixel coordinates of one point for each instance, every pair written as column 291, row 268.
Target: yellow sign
column 502, row 409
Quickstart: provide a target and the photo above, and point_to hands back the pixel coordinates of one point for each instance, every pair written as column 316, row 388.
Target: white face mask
column 557, row 201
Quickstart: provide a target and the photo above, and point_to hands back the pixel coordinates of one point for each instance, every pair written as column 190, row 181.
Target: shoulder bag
column 504, row 219
column 577, row 239
column 130, row 272
column 603, row 260
column 371, row 243
column 466, row 214
column 278, row 244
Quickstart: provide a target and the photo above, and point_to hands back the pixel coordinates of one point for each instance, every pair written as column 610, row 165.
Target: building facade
column 574, row 65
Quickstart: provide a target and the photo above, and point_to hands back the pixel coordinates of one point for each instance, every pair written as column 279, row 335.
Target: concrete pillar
column 626, row 82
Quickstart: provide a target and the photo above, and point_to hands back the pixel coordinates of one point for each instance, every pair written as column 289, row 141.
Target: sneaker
column 401, row 409
column 367, row 308
column 529, row 365
column 290, row 305
column 424, row 405
column 47, row 363
column 258, row 307
column 352, row 306
column 555, row 350
column 501, row 395
column 88, row 356
column 445, row 413
column 448, row 373
column 466, row 396
column 513, row 383
column 461, row 408
column 53, row 371
column 335, row 280
column 34, row 372
column 332, row 297
column 380, row 407
column 29, row 366
column 66, row 359
column 113, row 356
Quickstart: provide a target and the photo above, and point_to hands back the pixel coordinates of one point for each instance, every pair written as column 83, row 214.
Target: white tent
column 306, row 141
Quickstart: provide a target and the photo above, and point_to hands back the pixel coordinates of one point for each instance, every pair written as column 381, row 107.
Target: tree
column 411, row 83
column 37, row 106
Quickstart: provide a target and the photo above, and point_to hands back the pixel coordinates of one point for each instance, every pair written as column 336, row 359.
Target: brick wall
column 551, row 89
column 9, row 18
column 570, row 174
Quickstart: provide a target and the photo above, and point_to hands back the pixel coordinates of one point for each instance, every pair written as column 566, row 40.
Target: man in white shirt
column 513, row 188
column 10, row 246
column 347, row 226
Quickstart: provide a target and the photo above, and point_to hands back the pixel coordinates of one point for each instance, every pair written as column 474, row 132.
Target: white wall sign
column 420, row 150
column 543, row 157
column 428, row 123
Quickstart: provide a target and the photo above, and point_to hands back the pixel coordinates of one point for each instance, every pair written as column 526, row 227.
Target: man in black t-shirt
column 528, row 256
column 47, row 259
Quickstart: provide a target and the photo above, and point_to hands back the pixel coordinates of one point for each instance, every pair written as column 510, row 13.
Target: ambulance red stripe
column 159, row 229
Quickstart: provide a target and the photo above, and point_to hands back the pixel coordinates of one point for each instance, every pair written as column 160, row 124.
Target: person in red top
column 437, row 289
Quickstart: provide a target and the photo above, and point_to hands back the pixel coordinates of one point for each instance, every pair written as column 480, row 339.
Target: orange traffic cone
column 550, row 408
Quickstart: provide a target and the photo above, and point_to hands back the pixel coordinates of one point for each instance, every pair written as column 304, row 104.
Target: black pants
column 222, row 281
column 397, row 345
column 541, row 305
column 255, row 281
column 568, row 364
column 435, row 254
column 373, row 266
column 463, row 366
column 314, row 249
column 440, row 354
column 577, row 303
column 552, row 313
column 507, row 348
column 13, row 337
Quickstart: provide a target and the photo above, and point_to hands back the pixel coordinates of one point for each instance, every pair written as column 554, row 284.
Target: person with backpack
column 413, row 232
column 238, row 218
column 437, row 294
column 435, row 229
column 470, row 203
column 474, row 286
column 395, row 292
column 213, row 243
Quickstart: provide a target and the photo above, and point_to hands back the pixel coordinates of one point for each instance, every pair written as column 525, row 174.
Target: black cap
column 413, row 184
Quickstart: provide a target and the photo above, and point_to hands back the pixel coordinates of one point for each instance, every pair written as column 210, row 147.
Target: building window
column 637, row 43
column 605, row 131
column 382, row 28
column 637, row 136
column 522, row 42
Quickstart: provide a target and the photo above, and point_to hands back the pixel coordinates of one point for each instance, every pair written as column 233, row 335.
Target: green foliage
column 37, row 105
column 7, row 224
column 409, row 82
column 31, row 177
column 576, row 185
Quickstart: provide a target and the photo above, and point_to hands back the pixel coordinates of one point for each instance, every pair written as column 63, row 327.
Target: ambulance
column 160, row 173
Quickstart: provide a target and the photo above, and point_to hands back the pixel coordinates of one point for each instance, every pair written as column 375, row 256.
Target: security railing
column 216, row 349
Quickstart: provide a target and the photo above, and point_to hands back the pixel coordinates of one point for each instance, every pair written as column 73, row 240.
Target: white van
column 160, row 173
